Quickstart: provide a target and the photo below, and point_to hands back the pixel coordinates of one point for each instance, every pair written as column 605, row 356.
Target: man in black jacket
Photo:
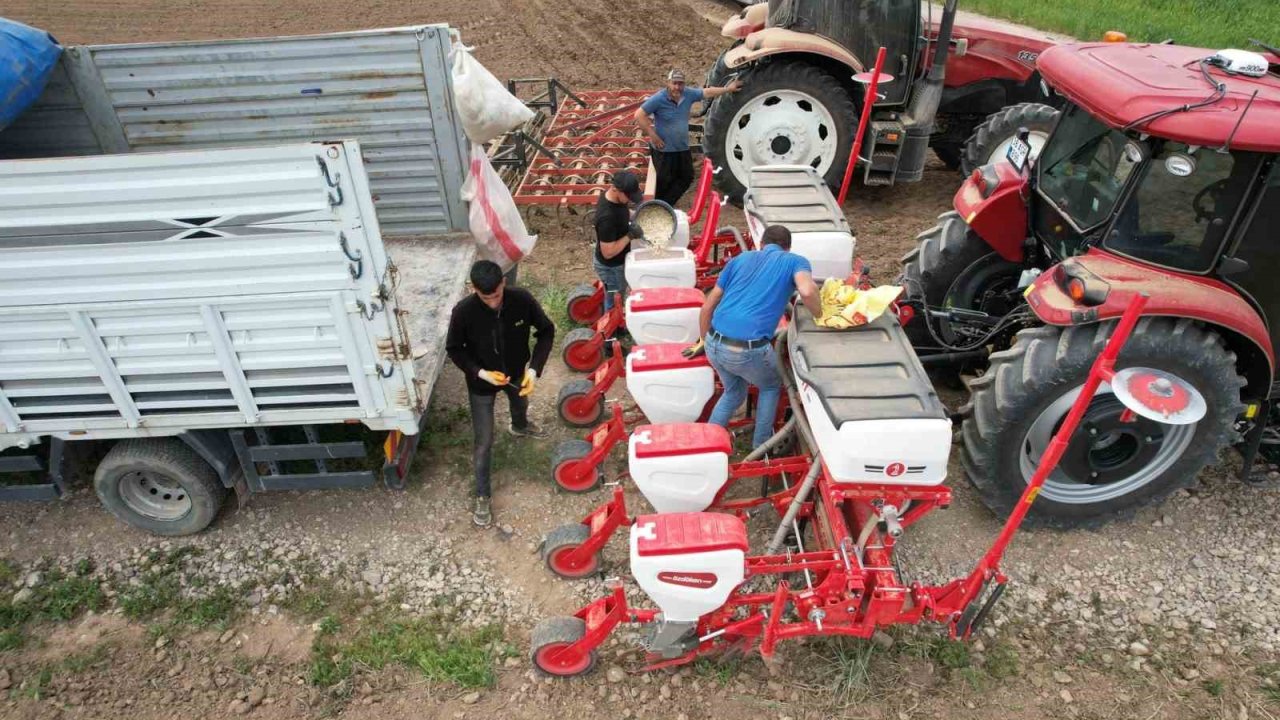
column 489, row 341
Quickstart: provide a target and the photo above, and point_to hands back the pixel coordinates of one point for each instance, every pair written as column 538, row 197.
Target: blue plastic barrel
column 27, row 56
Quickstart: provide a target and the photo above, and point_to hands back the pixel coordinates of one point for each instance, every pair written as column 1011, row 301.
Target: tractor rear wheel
column 550, row 643
column 952, row 267
column 575, row 405
column 991, row 139
column 1111, row 467
column 584, row 306
column 567, row 470
column 787, row 113
column 557, row 549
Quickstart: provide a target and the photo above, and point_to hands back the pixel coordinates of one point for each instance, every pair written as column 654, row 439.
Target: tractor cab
column 1130, row 171
column 1160, row 178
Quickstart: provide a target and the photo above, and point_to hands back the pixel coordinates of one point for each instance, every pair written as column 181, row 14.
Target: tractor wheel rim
column 154, row 495
column 780, row 127
column 1036, row 140
column 564, row 565
column 567, row 478
column 565, row 664
column 1124, row 458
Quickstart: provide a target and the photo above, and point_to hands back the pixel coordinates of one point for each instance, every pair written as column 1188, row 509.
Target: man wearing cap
column 665, row 119
column 613, row 232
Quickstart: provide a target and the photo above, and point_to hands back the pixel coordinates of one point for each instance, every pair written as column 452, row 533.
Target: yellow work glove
column 526, row 385
column 493, row 377
column 694, row 350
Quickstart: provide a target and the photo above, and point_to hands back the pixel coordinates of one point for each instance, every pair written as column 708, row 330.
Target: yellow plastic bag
column 845, row 306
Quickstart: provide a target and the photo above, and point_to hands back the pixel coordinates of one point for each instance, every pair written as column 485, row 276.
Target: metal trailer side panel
column 390, row 89
column 153, row 293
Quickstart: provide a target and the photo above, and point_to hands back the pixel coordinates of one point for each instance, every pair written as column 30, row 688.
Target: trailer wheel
column 787, row 113
column 566, row 467
column 558, row 547
column 584, row 307
column 1111, row 467
column 991, row 139
column 575, row 405
column 159, row 485
column 550, row 638
column 581, row 351
column 952, row 267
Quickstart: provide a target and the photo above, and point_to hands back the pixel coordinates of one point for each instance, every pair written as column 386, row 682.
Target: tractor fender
column 993, row 203
column 1170, row 294
column 751, row 19
column 775, row 41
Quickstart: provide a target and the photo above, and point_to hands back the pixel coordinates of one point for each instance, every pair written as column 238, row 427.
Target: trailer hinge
column 333, row 181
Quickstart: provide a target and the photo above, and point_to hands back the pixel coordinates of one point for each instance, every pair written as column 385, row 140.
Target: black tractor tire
column 951, row 266
column 166, row 472
column 1030, row 384
column 779, row 75
column 1002, row 125
column 950, row 154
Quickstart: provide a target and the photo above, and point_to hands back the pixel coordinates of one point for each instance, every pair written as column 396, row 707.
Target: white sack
column 485, row 107
column 496, row 223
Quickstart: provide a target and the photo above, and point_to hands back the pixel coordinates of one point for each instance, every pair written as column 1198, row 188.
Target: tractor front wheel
column 552, row 647
column 952, row 267
column 1113, row 464
column 990, row 141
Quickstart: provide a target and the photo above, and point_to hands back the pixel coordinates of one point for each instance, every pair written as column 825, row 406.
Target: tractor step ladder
column 886, row 139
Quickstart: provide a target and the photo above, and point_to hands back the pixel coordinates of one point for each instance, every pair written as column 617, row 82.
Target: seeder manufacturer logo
column 688, row 579
column 895, row 469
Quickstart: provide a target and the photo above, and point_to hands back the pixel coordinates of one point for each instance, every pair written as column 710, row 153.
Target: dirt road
column 1171, row 615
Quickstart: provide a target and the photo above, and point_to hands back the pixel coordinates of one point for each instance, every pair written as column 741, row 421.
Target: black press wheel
column 581, row 350
column 952, row 267
column 159, row 485
column 569, row 471
column 991, row 139
column 557, row 552
column 787, row 113
column 585, row 304
column 575, row 405
column 550, row 645
column 1111, row 467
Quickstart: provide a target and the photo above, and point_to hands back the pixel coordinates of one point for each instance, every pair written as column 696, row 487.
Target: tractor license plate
column 1018, row 154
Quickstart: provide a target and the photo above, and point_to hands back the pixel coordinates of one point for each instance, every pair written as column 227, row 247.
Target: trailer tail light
column 1114, row 36
column 986, row 179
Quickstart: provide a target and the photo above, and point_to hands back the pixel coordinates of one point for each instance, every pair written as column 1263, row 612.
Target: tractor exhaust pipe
column 924, row 104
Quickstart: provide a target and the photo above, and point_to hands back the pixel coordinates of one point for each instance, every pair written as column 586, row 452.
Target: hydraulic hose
column 772, row 442
column 806, row 432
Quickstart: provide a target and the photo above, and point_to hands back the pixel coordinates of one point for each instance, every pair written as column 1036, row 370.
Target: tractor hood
column 1123, row 83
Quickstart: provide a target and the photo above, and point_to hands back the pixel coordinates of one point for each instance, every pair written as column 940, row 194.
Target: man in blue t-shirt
column 739, row 318
column 664, row 117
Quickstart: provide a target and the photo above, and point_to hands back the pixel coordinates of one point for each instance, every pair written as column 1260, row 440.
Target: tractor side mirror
column 1228, row 266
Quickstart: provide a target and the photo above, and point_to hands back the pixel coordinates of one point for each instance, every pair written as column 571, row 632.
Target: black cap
column 628, row 184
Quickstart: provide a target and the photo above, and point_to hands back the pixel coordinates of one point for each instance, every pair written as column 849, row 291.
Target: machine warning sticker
column 699, row 580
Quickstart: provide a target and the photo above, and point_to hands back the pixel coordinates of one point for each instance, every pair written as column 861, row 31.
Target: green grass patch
column 57, row 598
column 1206, row 23
column 722, row 670
column 463, row 658
column 554, row 300
column 155, row 593
column 849, row 664
column 1214, row 687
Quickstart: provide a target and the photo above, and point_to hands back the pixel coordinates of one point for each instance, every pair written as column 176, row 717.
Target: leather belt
column 734, row 342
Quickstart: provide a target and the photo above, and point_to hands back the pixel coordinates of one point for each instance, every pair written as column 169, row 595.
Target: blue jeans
column 738, row 368
column 613, row 278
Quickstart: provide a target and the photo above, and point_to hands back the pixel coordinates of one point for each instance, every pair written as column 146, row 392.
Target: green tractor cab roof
column 1145, row 87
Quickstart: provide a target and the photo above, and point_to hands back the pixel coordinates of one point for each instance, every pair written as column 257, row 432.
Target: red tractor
column 1160, row 177
column 799, row 104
